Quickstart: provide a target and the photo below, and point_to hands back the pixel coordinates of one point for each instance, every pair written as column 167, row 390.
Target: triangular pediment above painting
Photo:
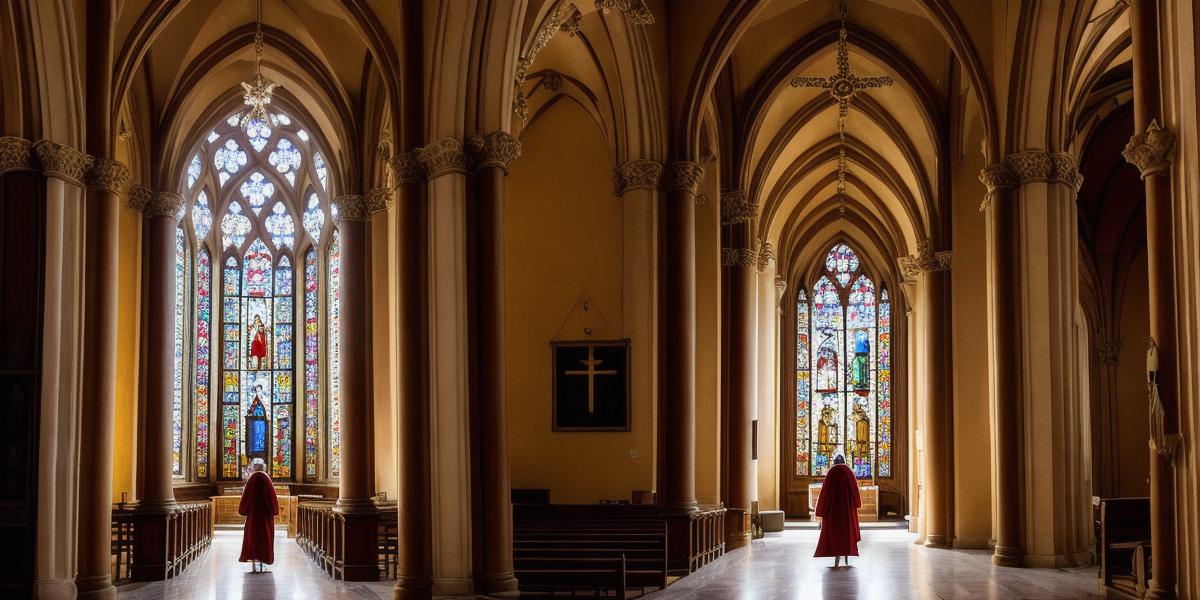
column 586, row 322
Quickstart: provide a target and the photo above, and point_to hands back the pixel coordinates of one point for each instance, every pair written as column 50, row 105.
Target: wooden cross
column 591, row 363
column 842, row 85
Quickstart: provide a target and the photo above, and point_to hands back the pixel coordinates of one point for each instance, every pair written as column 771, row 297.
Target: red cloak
column 838, row 508
column 259, row 505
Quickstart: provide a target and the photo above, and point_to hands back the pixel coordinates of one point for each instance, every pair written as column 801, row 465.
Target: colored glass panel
column 803, row 396
column 314, row 217
column 202, row 216
column 181, row 287
column 257, row 190
column 234, row 227
column 335, row 409
column 259, row 133
column 193, row 172
column 281, row 227
column 286, row 159
column 312, row 373
column 203, row 368
column 322, row 171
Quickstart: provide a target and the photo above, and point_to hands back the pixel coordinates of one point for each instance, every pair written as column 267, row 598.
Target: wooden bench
column 600, row 574
column 1124, row 544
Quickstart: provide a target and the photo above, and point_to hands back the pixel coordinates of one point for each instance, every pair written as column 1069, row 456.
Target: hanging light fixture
column 258, row 94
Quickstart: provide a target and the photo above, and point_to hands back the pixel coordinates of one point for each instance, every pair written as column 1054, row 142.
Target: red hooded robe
column 838, row 508
column 259, row 505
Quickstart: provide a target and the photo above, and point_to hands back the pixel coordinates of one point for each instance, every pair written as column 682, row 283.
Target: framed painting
column 591, row 386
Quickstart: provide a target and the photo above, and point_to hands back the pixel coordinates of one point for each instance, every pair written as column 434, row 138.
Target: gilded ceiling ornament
column 1109, row 353
column 443, row 157
column 16, row 154
column 737, row 207
column 352, row 207
column 406, row 167
column 1029, row 166
column 1150, row 151
column 107, row 174
column 258, row 94
column 570, row 25
column 553, row 24
column 924, row 261
column 739, row 257
column 379, row 199
column 162, row 204
column 637, row 174
column 636, row 10
column 63, row 162
column 496, row 149
column 683, row 175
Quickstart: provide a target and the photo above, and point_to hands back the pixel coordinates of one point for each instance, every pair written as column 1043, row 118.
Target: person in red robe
column 837, row 507
column 258, row 345
column 259, row 505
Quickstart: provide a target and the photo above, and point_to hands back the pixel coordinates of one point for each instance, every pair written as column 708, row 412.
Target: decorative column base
column 937, row 540
column 500, row 585
column 96, row 587
column 361, row 528
column 1008, row 556
column 737, row 528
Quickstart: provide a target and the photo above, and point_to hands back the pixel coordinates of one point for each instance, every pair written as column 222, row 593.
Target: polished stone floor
column 781, row 566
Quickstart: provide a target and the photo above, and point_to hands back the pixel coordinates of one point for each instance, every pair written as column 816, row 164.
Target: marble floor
column 779, row 567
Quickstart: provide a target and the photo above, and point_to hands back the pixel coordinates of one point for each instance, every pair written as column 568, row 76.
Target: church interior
column 586, row 297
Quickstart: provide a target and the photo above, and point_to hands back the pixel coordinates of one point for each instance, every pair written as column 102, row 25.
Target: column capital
column 637, row 174
column 924, row 261
column 443, row 157
column 378, row 200
column 496, row 149
column 1150, row 151
column 351, row 207
column 406, row 167
column 108, row 174
column 155, row 204
column 737, row 207
column 766, row 255
column 739, row 257
column 62, row 162
column 1030, row 166
column 1109, row 353
column 16, row 154
column 683, row 175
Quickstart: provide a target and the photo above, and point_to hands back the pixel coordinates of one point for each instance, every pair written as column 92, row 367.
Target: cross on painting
column 591, row 386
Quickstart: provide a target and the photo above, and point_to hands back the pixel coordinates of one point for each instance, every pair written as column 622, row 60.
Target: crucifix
column 591, row 363
column 843, row 86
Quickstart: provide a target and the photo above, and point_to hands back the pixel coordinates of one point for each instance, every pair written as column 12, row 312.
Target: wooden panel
column 225, row 510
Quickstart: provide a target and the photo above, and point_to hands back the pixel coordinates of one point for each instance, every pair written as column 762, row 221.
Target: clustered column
column 1149, row 150
column 739, row 258
column 354, row 500
column 678, row 482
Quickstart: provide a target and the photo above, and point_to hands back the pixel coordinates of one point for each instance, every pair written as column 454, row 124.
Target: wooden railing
column 168, row 541
column 706, row 535
column 320, row 532
column 122, row 542
column 189, row 532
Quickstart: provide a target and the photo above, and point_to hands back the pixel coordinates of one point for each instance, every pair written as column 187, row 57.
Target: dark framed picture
column 591, row 386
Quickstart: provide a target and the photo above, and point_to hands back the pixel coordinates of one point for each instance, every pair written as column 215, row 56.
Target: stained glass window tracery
column 286, row 159
column 314, row 217
column 257, row 190
column 234, row 226
column 843, row 376
column 281, row 227
column 201, row 216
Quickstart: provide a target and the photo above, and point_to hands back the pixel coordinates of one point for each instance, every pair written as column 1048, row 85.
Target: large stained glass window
column 335, row 370
column 182, row 265
column 250, row 307
column 843, row 371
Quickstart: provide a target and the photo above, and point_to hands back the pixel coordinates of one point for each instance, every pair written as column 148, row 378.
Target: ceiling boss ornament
column 843, row 86
column 258, row 94
column 636, row 10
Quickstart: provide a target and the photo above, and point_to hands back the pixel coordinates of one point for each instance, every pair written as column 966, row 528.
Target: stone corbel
column 924, row 261
column 1150, row 151
column 351, row 207
column 636, row 174
column 737, row 207
column 496, row 149
column 780, row 288
column 16, row 154
column 379, row 200
column 444, row 157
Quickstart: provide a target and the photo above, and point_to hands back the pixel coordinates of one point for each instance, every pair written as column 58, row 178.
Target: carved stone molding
column 560, row 20
column 496, row 149
column 155, row 204
column 766, row 255
column 444, row 157
column 683, row 175
column 107, row 174
column 1030, row 166
column 16, row 154
column 1150, row 151
column 737, row 207
column 739, row 257
column 406, row 167
column 139, row 196
column 379, row 200
column 351, row 207
column 1109, row 353
column 637, row 174
column 780, row 288
column 570, row 25
column 552, row 80
column 924, row 261
column 63, row 162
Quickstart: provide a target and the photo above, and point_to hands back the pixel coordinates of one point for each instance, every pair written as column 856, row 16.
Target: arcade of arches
column 684, row 252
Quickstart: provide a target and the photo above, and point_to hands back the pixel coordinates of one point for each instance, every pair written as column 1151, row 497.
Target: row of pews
column 320, row 532
column 614, row 548
column 1123, row 544
column 159, row 545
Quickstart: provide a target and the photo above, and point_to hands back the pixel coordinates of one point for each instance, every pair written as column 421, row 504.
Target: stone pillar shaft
column 937, row 404
column 1008, row 551
column 739, row 258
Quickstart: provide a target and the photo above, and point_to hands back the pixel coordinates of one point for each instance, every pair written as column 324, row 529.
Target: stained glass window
column 259, row 133
column 234, row 227
column 229, row 159
column 314, row 217
column 322, row 171
column 281, row 227
column 843, row 376
column 335, row 377
column 181, row 287
column 286, row 159
column 202, row 216
column 203, row 344
column 312, row 372
column 257, row 190
column 193, row 172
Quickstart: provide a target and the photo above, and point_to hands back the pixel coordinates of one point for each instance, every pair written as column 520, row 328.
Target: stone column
column 493, row 153
column 446, row 166
column 931, row 270
column 677, row 481
column 739, row 258
column 1149, row 150
column 413, row 579
column 354, row 499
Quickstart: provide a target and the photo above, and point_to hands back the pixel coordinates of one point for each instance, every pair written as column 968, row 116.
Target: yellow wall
column 563, row 237
column 129, row 269
column 972, row 442
column 708, row 339
column 384, row 364
column 1131, row 427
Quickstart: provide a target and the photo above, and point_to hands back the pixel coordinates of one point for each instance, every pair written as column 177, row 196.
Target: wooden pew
column 1124, row 544
column 641, row 546
column 551, row 574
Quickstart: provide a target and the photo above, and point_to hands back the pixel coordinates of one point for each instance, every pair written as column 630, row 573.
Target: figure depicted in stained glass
column 827, row 431
column 257, row 429
column 862, row 433
column 258, row 346
column 827, row 365
column 860, row 365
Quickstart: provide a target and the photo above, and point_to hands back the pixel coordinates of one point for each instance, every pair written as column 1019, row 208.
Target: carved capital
column 155, row 204
column 16, row 154
column 780, row 288
column 1150, row 151
column 351, row 207
column 637, row 174
column 63, row 162
column 406, row 168
column 1109, row 353
column 379, row 199
column 495, row 149
column 683, row 175
column 139, row 196
column 739, row 257
column 443, row 157
column 924, row 261
column 766, row 255
column 737, row 207
column 107, row 174
column 1030, row 166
